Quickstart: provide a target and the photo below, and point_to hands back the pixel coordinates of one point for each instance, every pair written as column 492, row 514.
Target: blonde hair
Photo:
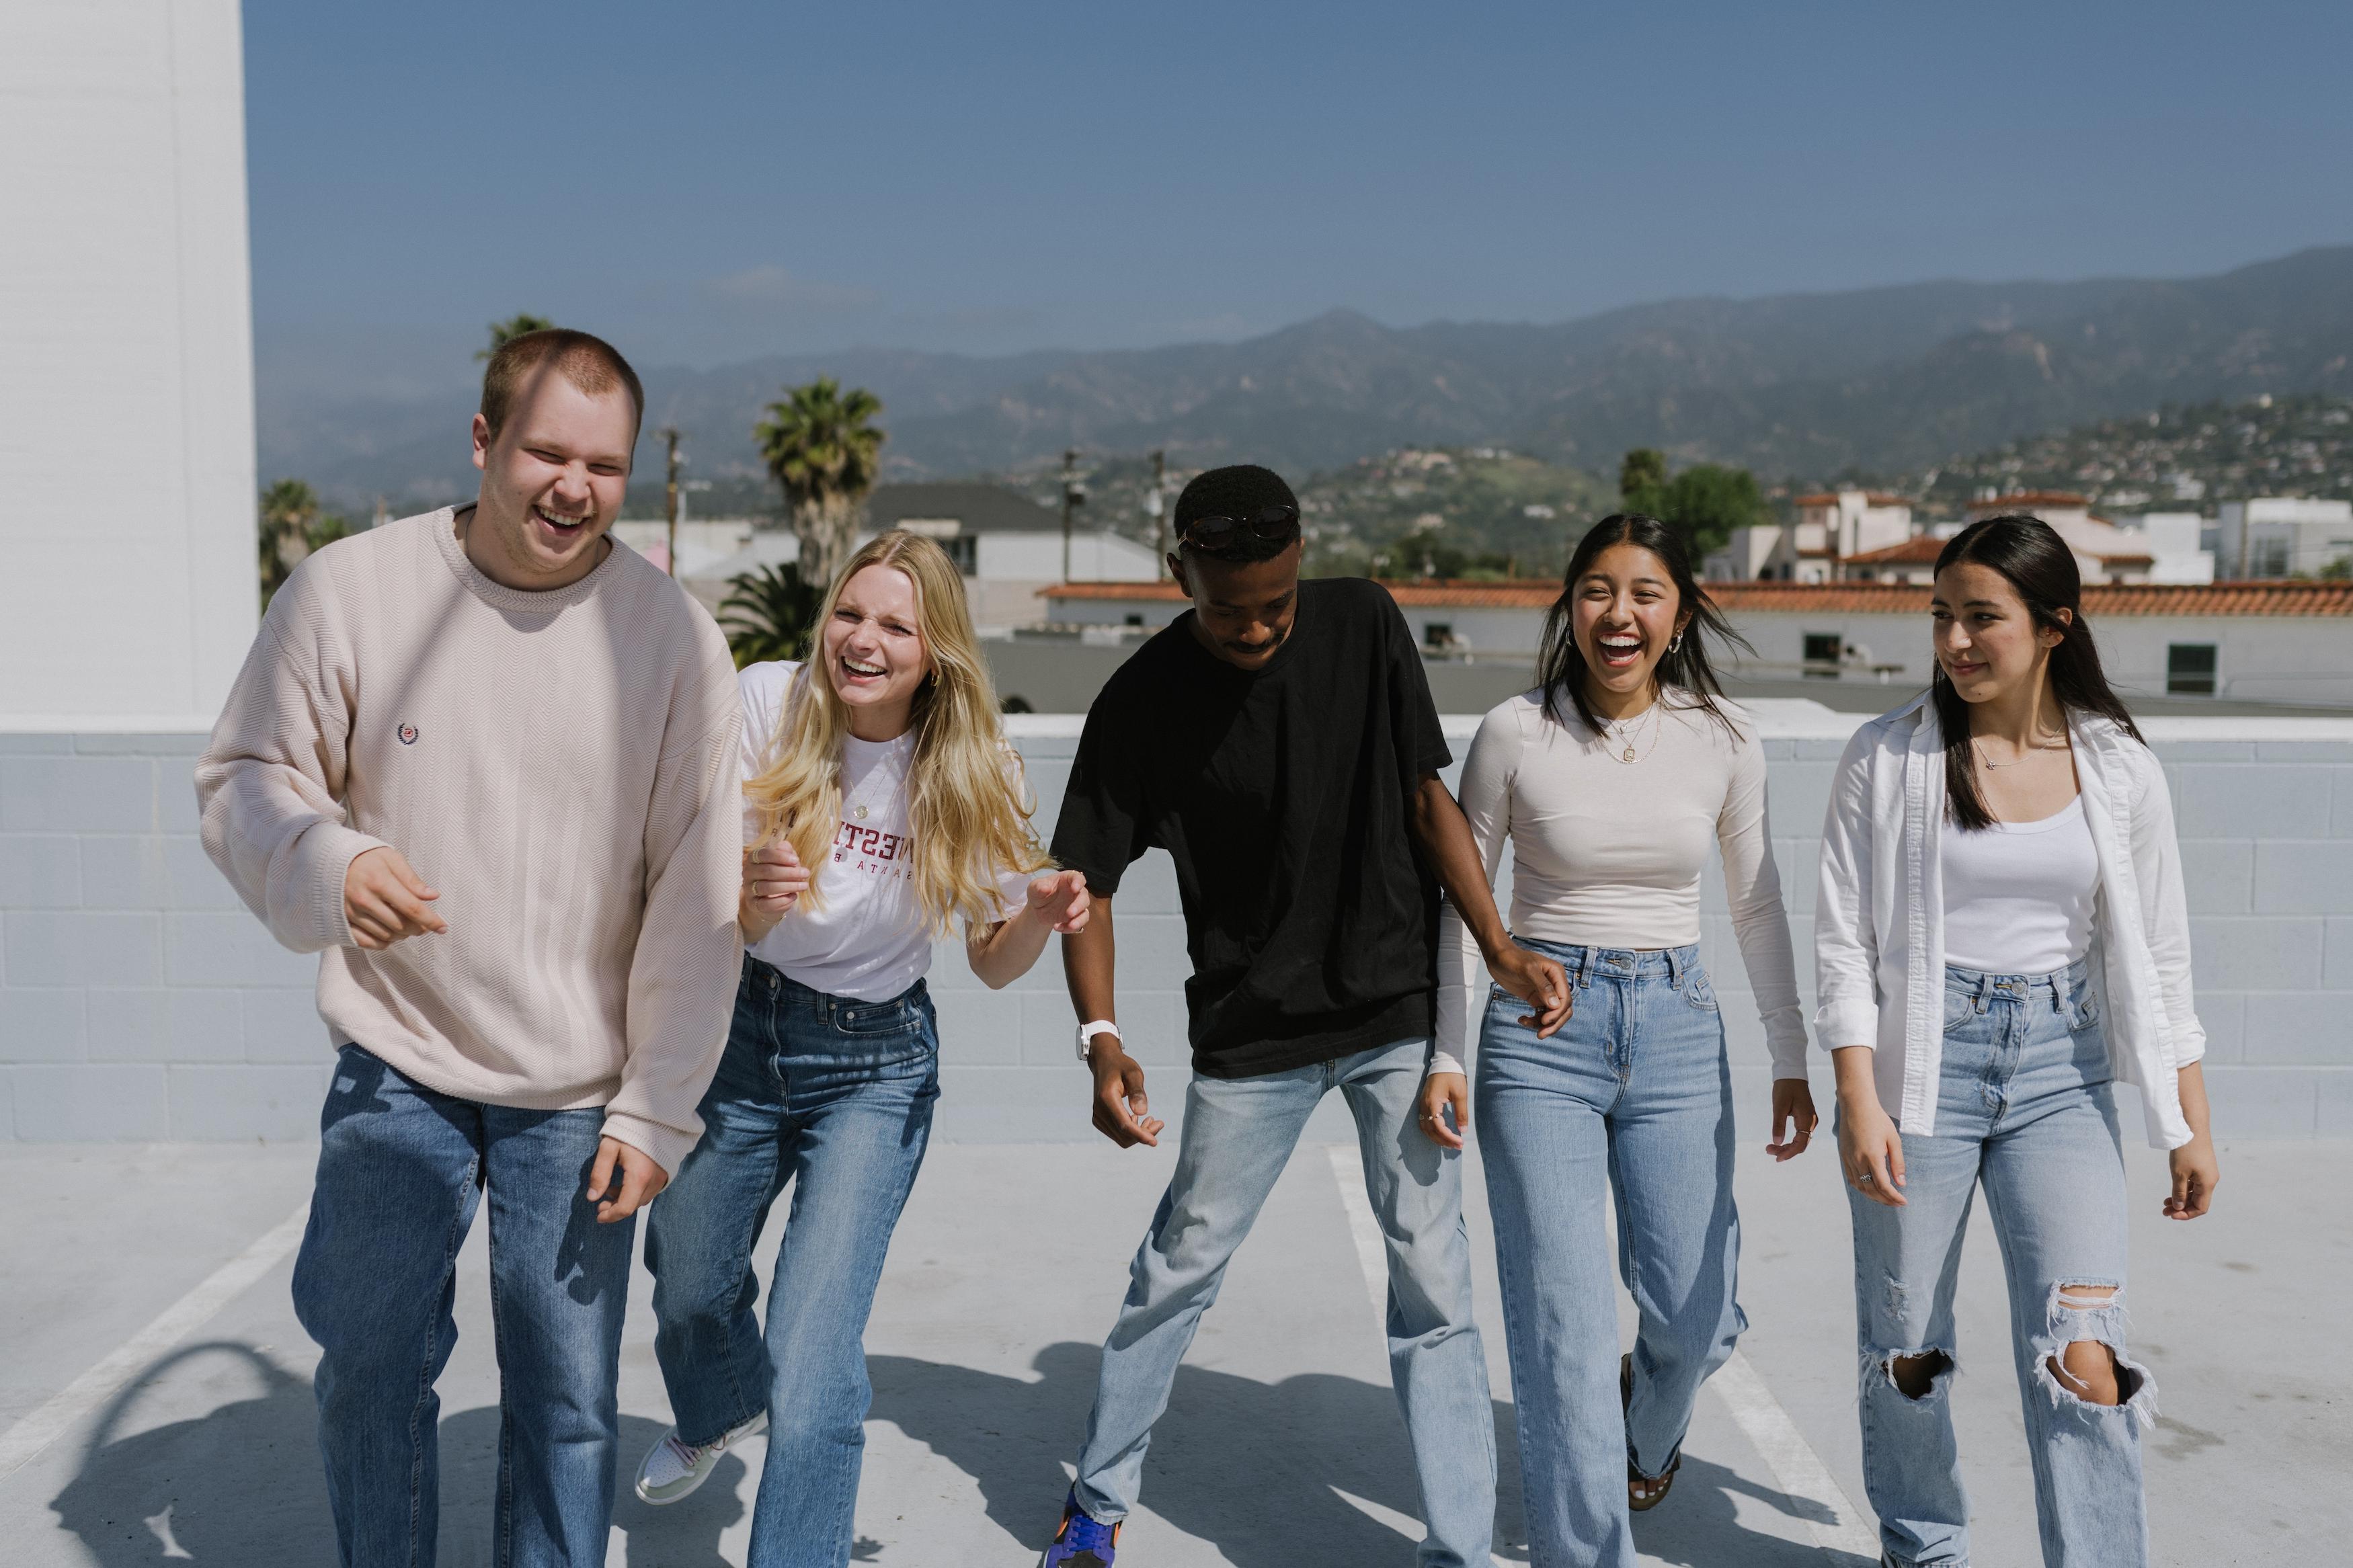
column 967, row 814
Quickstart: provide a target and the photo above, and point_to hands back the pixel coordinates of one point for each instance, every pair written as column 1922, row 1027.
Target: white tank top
column 2018, row 895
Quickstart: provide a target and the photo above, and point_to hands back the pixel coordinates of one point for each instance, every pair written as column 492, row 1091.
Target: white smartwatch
column 1087, row 1032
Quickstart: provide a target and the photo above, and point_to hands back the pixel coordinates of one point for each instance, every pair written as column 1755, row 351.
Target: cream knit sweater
column 562, row 767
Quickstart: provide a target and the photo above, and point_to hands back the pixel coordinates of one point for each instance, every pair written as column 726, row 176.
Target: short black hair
column 1243, row 489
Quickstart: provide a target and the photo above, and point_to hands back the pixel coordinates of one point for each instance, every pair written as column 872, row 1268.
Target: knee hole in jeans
column 2082, row 1357
column 1916, row 1375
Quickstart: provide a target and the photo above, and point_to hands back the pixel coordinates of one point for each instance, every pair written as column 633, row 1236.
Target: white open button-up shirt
column 1879, row 921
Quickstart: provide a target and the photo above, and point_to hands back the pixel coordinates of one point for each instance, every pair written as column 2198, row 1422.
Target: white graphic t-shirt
column 865, row 938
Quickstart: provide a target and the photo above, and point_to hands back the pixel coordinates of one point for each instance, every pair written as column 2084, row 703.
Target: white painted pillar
column 128, row 591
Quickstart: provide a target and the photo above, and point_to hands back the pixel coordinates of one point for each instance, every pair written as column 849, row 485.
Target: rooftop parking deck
column 152, row 1344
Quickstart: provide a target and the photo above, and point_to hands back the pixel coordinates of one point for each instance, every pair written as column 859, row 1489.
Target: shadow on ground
column 1267, row 1472
column 241, row 1488
column 1312, row 1469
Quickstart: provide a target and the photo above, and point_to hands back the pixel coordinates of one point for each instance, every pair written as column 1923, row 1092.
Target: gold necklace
column 1616, row 735
column 855, row 807
column 1976, row 748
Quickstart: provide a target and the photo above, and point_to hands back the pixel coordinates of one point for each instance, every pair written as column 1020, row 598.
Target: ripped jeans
column 2024, row 1106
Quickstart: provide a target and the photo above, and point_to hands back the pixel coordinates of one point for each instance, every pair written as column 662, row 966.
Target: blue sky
column 711, row 182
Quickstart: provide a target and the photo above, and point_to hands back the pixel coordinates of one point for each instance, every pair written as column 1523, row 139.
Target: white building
column 126, row 363
column 2173, row 541
column 1849, row 522
column 2161, row 547
column 1749, row 556
column 2272, row 536
column 1829, row 527
column 2268, row 642
column 1007, row 546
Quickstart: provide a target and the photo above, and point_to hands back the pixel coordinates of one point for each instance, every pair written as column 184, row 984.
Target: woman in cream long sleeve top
column 1610, row 782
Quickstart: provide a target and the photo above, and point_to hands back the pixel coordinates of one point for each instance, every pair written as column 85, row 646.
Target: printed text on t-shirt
column 871, row 850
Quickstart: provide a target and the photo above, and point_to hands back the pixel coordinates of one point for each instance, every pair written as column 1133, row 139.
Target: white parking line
column 1372, row 1252
column 183, row 1317
column 1796, row 1470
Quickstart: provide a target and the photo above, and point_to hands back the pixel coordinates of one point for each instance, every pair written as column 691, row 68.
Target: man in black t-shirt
column 1280, row 742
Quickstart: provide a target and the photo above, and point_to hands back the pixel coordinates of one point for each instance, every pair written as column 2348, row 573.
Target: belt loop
column 1584, row 965
column 1985, row 992
column 2062, row 990
column 1676, row 967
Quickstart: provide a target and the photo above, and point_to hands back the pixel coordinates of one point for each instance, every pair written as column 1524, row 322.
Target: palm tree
column 513, row 327
column 769, row 613
column 292, row 526
column 1640, row 477
column 822, row 447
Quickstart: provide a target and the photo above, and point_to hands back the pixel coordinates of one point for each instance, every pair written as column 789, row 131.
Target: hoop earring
column 1675, row 643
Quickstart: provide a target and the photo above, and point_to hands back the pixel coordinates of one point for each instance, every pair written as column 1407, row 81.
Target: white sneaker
column 671, row 1469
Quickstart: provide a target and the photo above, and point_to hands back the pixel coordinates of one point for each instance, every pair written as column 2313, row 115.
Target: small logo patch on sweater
column 407, row 734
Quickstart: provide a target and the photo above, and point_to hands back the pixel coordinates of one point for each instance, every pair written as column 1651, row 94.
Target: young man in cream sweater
column 483, row 762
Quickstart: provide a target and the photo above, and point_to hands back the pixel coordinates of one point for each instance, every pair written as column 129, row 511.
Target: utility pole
column 1073, row 496
column 1155, row 507
column 669, row 433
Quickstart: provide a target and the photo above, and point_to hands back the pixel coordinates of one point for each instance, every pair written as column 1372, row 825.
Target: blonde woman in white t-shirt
column 1611, row 781
column 883, row 806
column 2002, row 938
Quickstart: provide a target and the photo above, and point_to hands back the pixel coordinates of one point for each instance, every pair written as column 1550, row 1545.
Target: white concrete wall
column 126, row 363
column 2275, row 658
column 1096, row 556
column 2269, row 659
column 138, row 1000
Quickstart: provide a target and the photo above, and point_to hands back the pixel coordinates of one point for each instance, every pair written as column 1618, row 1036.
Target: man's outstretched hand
column 384, row 901
column 621, row 1191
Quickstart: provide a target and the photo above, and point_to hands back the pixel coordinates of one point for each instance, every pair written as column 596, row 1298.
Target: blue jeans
column 2023, row 1105
column 834, row 1096
column 401, row 1170
column 1238, row 1134
column 1633, row 1098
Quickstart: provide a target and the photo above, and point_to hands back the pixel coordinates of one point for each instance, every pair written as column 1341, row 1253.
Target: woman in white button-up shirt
column 2001, row 938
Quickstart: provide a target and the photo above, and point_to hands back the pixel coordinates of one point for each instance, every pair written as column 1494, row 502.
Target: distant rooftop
column 2027, row 501
column 975, row 508
column 1920, row 550
column 1869, row 498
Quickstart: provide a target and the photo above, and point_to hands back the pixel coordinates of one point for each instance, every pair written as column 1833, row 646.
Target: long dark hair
column 1560, row 664
column 2033, row 559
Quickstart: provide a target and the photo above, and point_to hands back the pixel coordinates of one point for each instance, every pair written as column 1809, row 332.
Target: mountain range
column 1805, row 387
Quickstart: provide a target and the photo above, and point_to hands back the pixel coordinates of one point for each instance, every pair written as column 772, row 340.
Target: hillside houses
column 1862, row 536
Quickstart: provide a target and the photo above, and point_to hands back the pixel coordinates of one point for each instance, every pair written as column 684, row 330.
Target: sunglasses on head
column 1268, row 522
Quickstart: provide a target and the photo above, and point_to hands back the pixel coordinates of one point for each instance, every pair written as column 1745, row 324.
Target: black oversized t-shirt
column 1282, row 795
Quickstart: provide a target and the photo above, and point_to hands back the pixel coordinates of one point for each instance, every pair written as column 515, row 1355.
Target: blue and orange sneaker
column 1082, row 1542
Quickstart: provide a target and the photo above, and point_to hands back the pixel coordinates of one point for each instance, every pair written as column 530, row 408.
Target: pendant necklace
column 1986, row 761
column 1616, row 735
column 855, row 808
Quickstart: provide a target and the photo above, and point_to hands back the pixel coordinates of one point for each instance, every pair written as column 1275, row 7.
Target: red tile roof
column 2026, row 501
column 1869, row 498
column 1920, row 548
column 2254, row 598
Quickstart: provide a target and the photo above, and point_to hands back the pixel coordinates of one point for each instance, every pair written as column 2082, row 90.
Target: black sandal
column 1634, row 1478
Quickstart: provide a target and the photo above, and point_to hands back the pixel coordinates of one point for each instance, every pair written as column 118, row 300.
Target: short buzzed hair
column 587, row 362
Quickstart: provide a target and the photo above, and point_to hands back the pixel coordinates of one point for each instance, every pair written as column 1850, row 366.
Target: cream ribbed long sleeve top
column 1608, row 854
column 561, row 766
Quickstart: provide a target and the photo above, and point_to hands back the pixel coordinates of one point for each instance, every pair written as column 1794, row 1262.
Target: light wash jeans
column 1238, row 1136
column 401, row 1172
column 834, row 1096
column 2023, row 1105
column 1632, row 1098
